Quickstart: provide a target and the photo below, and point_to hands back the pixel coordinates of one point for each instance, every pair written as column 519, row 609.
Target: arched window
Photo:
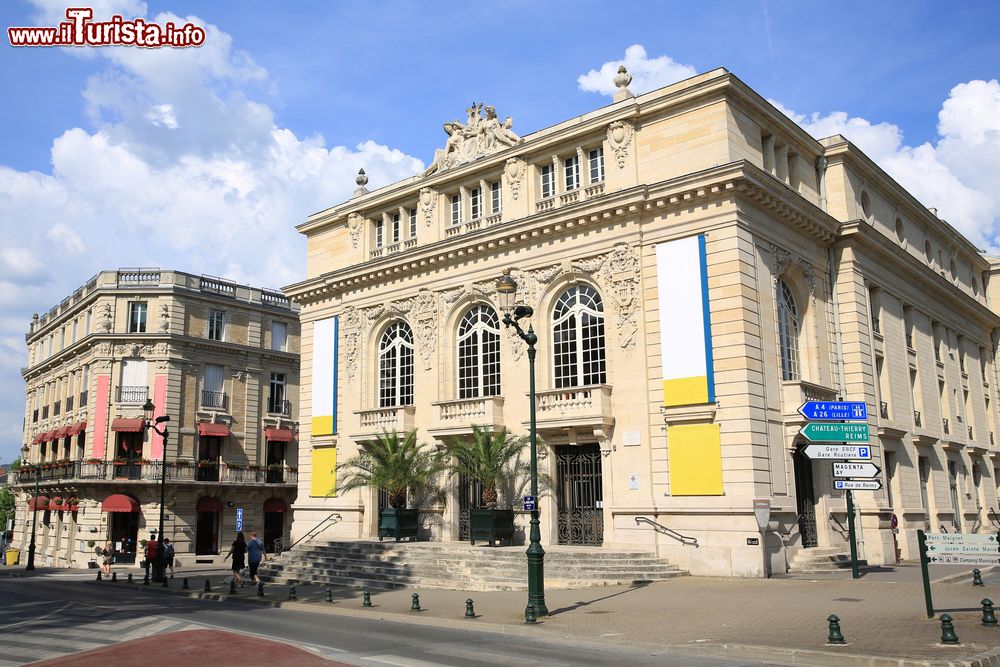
column 578, row 338
column 395, row 366
column 788, row 332
column 479, row 353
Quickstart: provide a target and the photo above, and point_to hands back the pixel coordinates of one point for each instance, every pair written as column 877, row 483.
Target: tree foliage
column 493, row 458
column 396, row 464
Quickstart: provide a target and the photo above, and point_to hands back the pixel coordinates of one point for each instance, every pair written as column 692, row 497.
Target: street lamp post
column 507, row 291
column 34, row 520
column 159, row 566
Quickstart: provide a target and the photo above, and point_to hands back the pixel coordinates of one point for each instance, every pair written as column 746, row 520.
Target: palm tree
column 395, row 464
column 490, row 457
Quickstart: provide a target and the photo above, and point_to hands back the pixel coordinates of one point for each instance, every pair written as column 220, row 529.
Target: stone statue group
column 479, row 136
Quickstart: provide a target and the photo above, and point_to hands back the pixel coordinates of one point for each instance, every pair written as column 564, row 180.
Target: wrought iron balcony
column 133, row 394
column 213, row 399
column 279, row 406
column 150, row 472
column 916, row 418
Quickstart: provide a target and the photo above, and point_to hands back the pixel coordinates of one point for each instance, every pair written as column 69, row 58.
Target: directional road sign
column 962, row 548
column 862, row 470
column 863, row 452
column 823, row 432
column 839, row 410
column 964, row 559
column 962, row 538
column 857, row 484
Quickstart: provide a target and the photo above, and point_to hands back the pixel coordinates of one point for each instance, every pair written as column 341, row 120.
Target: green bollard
column 184, row 584
column 208, row 586
column 835, row 636
column 260, row 589
column 232, row 587
column 415, row 602
column 114, row 577
column 529, row 614
column 977, row 578
column 291, row 593
column 366, row 599
column 99, row 577
column 948, row 635
column 130, row 578
column 329, row 595
column 470, row 612
column 989, row 617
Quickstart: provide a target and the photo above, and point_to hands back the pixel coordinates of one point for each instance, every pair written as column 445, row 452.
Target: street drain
column 848, row 600
column 597, row 612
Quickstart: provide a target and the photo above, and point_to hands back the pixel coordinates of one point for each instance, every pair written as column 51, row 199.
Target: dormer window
column 596, row 159
column 548, row 176
column 571, row 168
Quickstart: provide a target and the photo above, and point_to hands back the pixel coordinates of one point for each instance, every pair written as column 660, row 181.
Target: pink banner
column 101, row 415
column 160, row 401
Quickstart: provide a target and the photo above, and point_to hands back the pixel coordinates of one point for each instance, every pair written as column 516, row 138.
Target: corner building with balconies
column 699, row 266
column 220, row 359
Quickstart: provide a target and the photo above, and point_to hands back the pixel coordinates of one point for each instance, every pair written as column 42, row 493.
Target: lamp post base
column 536, row 571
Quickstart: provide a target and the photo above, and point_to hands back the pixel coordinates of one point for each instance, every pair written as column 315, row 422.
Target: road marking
column 31, row 621
column 402, row 661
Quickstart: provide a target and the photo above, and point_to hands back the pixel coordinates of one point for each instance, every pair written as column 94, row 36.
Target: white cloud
column 65, row 237
column 21, row 264
column 647, row 73
column 956, row 174
column 163, row 115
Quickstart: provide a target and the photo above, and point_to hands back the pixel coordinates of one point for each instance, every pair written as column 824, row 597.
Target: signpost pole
column 855, row 574
column 922, row 548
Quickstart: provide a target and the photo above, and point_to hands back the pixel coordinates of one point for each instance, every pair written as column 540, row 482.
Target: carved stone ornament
column 479, row 136
column 514, row 172
column 354, row 225
column 164, row 318
column 428, row 199
column 453, row 295
column 425, row 321
column 620, row 135
column 618, row 274
column 782, row 260
column 105, row 322
column 352, row 334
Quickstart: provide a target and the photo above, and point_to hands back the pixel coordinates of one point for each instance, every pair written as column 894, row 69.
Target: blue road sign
column 529, row 503
column 835, row 410
column 239, row 518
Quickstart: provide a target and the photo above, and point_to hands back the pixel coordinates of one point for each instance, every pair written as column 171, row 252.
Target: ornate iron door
column 580, row 494
column 805, row 499
column 470, row 495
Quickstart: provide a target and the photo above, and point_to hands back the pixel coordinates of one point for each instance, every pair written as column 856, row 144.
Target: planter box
column 398, row 523
column 491, row 525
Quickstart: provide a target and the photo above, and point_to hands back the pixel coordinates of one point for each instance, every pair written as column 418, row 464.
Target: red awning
column 209, row 504
column 45, row 436
column 38, row 503
column 77, row 428
column 278, row 434
column 127, row 425
column 119, row 502
column 218, row 430
column 38, row 438
column 54, row 506
column 61, row 432
column 275, row 505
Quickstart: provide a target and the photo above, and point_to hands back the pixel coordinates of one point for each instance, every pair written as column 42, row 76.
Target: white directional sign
column 815, row 451
column 962, row 538
column 962, row 548
column 964, row 559
column 857, row 484
column 862, row 470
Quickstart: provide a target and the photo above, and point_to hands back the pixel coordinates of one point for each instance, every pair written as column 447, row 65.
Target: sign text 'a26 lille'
column 822, row 432
column 836, row 410
column 814, row 451
column 862, row 470
column 857, row 484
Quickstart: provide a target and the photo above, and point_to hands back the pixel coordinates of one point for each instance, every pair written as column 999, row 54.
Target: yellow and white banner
column 324, row 377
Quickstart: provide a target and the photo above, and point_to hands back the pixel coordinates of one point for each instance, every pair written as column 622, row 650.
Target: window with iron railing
column 970, row 434
column 876, row 327
column 944, row 424
column 916, row 418
column 909, row 340
column 279, row 406
column 127, row 394
column 213, row 399
column 883, row 410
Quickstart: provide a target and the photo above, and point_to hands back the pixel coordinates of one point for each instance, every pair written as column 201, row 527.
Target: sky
column 204, row 159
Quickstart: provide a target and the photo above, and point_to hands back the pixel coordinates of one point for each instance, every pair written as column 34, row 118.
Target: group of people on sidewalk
column 243, row 552
column 149, row 554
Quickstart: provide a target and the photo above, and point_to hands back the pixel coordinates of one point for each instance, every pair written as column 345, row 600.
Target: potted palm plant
column 492, row 458
column 399, row 466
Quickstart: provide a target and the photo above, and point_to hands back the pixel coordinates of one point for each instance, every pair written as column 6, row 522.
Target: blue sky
column 230, row 145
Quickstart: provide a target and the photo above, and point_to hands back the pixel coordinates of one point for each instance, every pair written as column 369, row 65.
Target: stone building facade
column 699, row 266
column 220, row 359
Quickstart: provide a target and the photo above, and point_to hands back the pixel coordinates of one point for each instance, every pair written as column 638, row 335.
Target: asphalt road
column 44, row 618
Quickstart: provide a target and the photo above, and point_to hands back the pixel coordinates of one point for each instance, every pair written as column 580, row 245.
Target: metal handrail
column 837, row 526
column 279, row 544
column 994, row 519
column 792, row 526
column 689, row 541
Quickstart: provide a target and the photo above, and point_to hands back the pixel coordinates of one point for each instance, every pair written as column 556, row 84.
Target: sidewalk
column 779, row 619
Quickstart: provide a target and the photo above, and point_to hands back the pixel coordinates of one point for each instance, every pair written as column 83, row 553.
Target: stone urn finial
column 622, row 80
column 362, row 181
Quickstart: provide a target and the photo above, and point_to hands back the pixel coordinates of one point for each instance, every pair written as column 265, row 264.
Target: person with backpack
column 168, row 557
column 150, row 554
column 255, row 555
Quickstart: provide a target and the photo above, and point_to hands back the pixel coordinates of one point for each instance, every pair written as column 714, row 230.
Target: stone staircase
column 458, row 565
column 821, row 560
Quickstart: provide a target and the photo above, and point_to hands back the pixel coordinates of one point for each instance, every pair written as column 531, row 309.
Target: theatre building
column 699, row 266
column 220, row 359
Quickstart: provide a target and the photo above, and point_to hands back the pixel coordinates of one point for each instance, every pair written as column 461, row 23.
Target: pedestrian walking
column 108, row 556
column 168, row 556
column 239, row 553
column 150, row 554
column 255, row 555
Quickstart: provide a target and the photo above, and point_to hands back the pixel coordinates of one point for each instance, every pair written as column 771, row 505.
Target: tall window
column 953, row 488
column 495, row 197
column 136, row 318
column 134, row 378
column 596, row 159
column 476, row 203
column 276, row 399
column 413, row 223
column 216, row 324
column 479, row 353
column 213, row 396
column 395, row 366
column 379, row 232
column 788, row 332
column 77, row 321
column 571, row 167
column 456, row 209
column 90, row 315
column 279, row 336
column 548, row 174
column 396, row 230
column 578, row 338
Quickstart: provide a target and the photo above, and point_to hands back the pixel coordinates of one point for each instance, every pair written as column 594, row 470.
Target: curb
column 952, row 578
column 831, row 659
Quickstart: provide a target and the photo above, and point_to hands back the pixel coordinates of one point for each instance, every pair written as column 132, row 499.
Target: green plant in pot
column 396, row 464
column 492, row 458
